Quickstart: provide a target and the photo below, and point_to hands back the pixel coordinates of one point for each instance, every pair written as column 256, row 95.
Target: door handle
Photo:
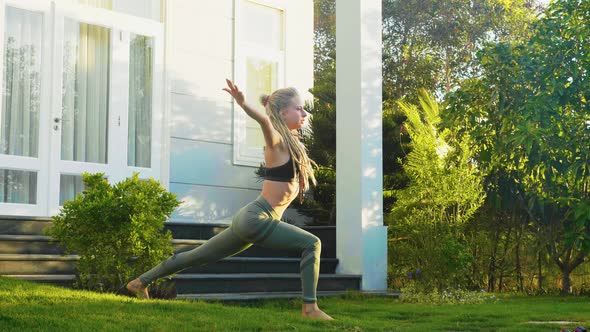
column 56, row 120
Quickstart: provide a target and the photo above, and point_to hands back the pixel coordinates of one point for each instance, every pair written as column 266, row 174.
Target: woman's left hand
column 235, row 92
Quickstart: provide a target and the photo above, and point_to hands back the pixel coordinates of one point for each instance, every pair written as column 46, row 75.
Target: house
column 123, row 86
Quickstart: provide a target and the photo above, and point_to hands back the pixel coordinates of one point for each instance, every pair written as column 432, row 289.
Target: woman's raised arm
column 271, row 135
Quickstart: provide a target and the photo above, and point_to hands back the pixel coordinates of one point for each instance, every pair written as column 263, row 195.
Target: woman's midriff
column 279, row 194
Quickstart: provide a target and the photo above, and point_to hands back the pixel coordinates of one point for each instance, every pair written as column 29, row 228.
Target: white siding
column 194, row 74
column 205, row 204
column 206, row 163
column 142, row 8
column 200, row 119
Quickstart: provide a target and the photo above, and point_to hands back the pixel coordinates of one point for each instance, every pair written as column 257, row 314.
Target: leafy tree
column 432, row 44
column 530, row 118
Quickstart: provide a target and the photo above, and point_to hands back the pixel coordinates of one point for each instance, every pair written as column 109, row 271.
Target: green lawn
column 28, row 306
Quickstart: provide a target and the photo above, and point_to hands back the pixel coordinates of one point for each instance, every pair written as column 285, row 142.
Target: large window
column 81, row 91
column 111, row 84
column 260, row 61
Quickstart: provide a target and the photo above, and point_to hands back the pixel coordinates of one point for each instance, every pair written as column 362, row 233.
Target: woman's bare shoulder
column 278, row 154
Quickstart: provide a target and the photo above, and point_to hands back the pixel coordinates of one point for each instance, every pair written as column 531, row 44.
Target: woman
column 287, row 176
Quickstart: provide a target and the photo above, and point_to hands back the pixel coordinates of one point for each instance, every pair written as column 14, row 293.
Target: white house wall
column 143, row 8
column 207, row 204
column 208, row 164
column 199, row 56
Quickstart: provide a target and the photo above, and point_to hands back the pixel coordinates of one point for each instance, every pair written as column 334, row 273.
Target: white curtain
column 85, row 102
column 85, row 98
column 19, row 127
column 69, row 187
column 140, row 102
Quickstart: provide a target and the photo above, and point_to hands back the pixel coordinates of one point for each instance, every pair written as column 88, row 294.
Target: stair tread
column 24, row 237
column 213, row 224
column 281, row 293
column 25, row 218
column 194, row 276
column 31, row 237
column 252, row 295
column 41, row 276
column 257, row 275
column 42, row 257
column 76, row 257
column 188, row 241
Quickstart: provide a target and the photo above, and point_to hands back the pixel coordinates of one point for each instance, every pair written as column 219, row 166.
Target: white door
column 96, row 107
column 25, row 27
column 107, row 106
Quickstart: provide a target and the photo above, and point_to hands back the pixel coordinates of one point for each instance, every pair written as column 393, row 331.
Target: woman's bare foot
column 311, row 310
column 136, row 288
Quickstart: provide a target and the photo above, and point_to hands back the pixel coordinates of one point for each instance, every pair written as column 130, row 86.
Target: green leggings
column 256, row 223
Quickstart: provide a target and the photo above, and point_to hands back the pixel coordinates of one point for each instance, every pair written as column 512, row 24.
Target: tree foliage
column 432, row 44
column 443, row 193
column 117, row 230
column 529, row 113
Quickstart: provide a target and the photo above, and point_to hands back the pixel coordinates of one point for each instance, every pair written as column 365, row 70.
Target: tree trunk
column 566, row 282
column 474, row 266
column 540, row 265
column 492, row 267
column 502, row 264
column 519, row 279
column 567, row 267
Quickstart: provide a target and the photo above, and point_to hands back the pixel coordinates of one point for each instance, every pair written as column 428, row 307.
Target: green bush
column 444, row 192
column 117, row 230
column 429, row 257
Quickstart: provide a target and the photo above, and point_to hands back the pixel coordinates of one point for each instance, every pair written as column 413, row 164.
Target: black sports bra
column 283, row 173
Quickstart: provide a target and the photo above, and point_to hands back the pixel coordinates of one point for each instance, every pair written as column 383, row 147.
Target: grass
column 26, row 306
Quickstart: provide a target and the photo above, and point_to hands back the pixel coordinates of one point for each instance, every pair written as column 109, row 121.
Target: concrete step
column 27, row 264
column 272, row 295
column 23, row 225
column 37, row 264
column 259, row 282
column 25, row 253
column 180, row 230
column 40, row 245
column 252, row 251
column 191, row 284
column 252, row 296
column 27, row 244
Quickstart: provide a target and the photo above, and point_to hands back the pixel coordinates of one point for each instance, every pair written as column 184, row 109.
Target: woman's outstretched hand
column 234, row 92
